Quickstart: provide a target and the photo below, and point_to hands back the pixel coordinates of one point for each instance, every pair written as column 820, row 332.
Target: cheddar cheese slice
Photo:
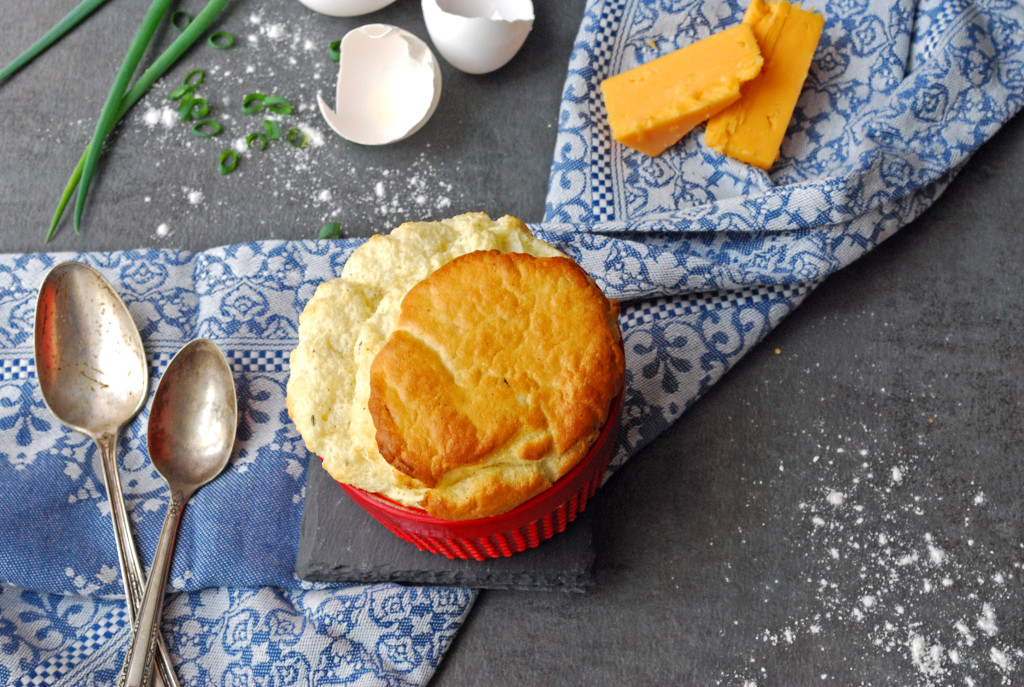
column 751, row 130
column 652, row 106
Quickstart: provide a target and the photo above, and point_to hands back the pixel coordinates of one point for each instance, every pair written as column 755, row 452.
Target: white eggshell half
column 389, row 84
column 345, row 8
column 478, row 36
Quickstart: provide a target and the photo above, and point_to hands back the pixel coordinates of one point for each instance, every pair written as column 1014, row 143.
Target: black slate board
column 340, row 542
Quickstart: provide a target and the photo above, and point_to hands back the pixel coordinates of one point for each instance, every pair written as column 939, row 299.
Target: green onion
column 335, row 49
column 83, row 10
column 272, row 128
column 296, row 137
column 189, row 84
column 257, row 136
column 206, row 128
column 180, row 92
column 221, row 40
column 109, row 114
column 192, row 108
column 228, row 161
column 159, row 67
column 252, row 103
column 278, row 105
column 331, row 230
column 181, row 19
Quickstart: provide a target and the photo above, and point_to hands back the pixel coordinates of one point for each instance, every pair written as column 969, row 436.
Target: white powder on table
column 893, row 575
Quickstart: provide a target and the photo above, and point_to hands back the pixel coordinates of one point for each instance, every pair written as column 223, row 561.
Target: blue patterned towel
column 708, row 255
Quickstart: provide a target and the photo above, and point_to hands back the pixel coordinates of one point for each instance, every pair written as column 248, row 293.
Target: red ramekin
column 524, row 527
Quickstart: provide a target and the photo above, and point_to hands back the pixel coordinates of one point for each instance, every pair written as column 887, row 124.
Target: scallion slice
column 296, row 137
column 206, row 128
column 331, row 230
column 181, row 19
column 228, row 161
column 278, row 105
column 272, row 128
column 253, row 103
column 192, row 108
column 180, row 92
column 221, row 40
column 257, row 136
column 335, row 49
column 194, row 78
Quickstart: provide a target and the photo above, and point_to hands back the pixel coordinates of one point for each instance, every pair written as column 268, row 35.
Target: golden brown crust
column 498, row 376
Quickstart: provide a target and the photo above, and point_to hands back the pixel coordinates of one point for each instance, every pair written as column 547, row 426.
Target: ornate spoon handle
column 138, row 662
column 132, row 574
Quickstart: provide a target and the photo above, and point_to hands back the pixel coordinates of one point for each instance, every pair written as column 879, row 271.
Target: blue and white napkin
column 707, row 255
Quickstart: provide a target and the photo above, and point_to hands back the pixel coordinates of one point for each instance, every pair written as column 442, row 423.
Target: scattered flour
column 920, row 592
column 166, row 117
column 195, row 197
column 836, row 498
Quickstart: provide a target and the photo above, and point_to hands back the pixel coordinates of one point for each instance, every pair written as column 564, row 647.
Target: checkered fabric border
column 14, row 369
column 250, row 360
column 262, row 360
column 602, row 194
column 669, row 307
column 74, row 657
column 944, row 17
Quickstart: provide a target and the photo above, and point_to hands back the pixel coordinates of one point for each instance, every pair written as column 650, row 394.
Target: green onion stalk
column 83, row 10
column 120, row 101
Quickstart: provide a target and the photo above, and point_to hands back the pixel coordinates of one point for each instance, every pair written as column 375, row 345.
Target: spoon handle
column 132, row 574
column 138, row 662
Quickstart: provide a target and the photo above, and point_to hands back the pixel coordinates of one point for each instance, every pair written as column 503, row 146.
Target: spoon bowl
column 192, row 426
column 192, row 421
column 89, row 356
column 93, row 375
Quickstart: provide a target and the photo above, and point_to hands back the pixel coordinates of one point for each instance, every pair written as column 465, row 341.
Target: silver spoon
column 92, row 372
column 191, row 433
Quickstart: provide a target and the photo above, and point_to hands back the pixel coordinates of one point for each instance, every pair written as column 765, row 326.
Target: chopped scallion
column 180, row 92
column 278, row 105
column 221, row 40
column 272, row 128
column 296, row 137
column 192, row 108
column 336, row 51
column 228, row 161
column 257, row 136
column 331, row 230
column 181, row 19
column 206, row 128
column 253, row 103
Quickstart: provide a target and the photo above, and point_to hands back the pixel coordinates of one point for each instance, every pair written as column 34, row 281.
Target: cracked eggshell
column 389, row 84
column 345, row 8
column 478, row 36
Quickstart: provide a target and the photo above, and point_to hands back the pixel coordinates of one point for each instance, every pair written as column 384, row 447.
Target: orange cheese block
column 752, row 129
column 652, row 106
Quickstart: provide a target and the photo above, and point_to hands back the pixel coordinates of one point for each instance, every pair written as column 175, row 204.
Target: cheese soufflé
column 459, row 367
